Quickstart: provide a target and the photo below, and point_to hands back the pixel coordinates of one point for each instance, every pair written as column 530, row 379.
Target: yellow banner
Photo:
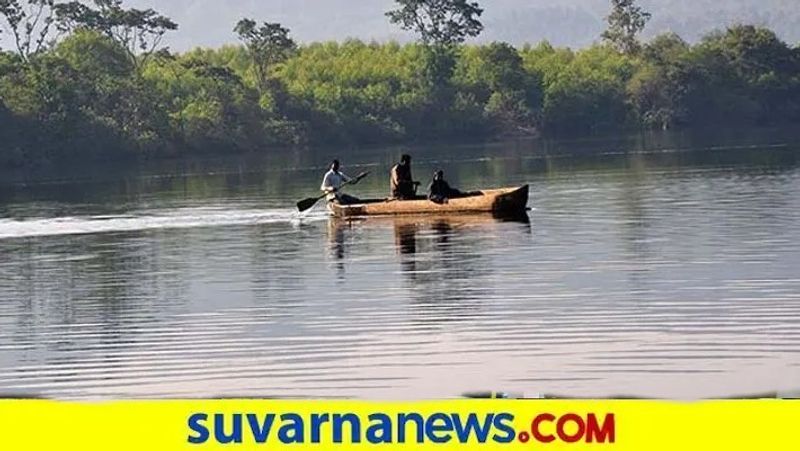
column 456, row 425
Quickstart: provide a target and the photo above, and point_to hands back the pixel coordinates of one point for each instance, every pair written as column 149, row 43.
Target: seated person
column 333, row 182
column 440, row 191
column 403, row 186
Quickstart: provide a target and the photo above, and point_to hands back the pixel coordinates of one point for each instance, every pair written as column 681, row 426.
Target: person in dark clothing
column 402, row 183
column 440, row 191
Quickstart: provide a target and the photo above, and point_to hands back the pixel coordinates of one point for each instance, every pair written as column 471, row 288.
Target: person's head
column 405, row 160
column 438, row 175
column 335, row 166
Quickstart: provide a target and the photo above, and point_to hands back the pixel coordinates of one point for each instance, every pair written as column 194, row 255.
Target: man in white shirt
column 332, row 184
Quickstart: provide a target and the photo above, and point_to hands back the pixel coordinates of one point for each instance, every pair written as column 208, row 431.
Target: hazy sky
column 564, row 22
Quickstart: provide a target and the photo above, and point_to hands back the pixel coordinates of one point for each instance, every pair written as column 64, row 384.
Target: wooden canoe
column 505, row 201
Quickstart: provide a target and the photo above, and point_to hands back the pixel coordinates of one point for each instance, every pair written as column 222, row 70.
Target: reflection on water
column 443, row 260
column 645, row 270
column 338, row 246
column 440, row 257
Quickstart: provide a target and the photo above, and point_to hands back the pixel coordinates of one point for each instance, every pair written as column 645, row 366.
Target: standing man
column 403, row 184
column 333, row 182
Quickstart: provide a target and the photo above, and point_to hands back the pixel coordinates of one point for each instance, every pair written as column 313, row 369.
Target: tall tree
column 268, row 45
column 625, row 23
column 441, row 25
column 439, row 22
column 139, row 32
column 30, row 22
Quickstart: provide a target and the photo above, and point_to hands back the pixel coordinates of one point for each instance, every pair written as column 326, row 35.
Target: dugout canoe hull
column 504, row 201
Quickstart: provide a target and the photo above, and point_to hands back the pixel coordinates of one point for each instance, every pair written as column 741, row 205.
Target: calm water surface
column 657, row 267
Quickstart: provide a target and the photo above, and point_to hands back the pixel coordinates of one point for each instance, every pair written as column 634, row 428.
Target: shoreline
column 631, row 142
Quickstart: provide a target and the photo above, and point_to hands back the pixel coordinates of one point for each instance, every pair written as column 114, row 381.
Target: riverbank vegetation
column 94, row 82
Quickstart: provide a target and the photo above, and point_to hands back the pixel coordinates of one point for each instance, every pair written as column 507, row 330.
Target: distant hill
column 574, row 23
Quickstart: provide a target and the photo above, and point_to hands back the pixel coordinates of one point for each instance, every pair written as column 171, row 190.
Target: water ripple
column 633, row 276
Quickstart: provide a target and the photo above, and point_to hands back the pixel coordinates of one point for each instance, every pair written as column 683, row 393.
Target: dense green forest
column 94, row 82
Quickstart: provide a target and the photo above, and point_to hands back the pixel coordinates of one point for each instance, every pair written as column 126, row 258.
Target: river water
column 664, row 266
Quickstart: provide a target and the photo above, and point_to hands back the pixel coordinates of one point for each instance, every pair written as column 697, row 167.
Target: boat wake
column 151, row 220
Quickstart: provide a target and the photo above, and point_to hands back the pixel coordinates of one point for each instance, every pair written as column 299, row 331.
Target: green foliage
column 495, row 79
column 661, row 89
column 208, row 104
column 357, row 92
column 584, row 91
column 94, row 55
column 742, row 76
column 82, row 97
column 107, row 94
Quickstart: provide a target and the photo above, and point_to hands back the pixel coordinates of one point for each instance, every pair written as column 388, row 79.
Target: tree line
column 93, row 81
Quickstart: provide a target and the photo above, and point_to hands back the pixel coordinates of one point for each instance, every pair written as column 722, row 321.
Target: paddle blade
column 307, row 204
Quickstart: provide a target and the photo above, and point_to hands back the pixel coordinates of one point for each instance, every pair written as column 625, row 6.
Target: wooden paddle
column 308, row 204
